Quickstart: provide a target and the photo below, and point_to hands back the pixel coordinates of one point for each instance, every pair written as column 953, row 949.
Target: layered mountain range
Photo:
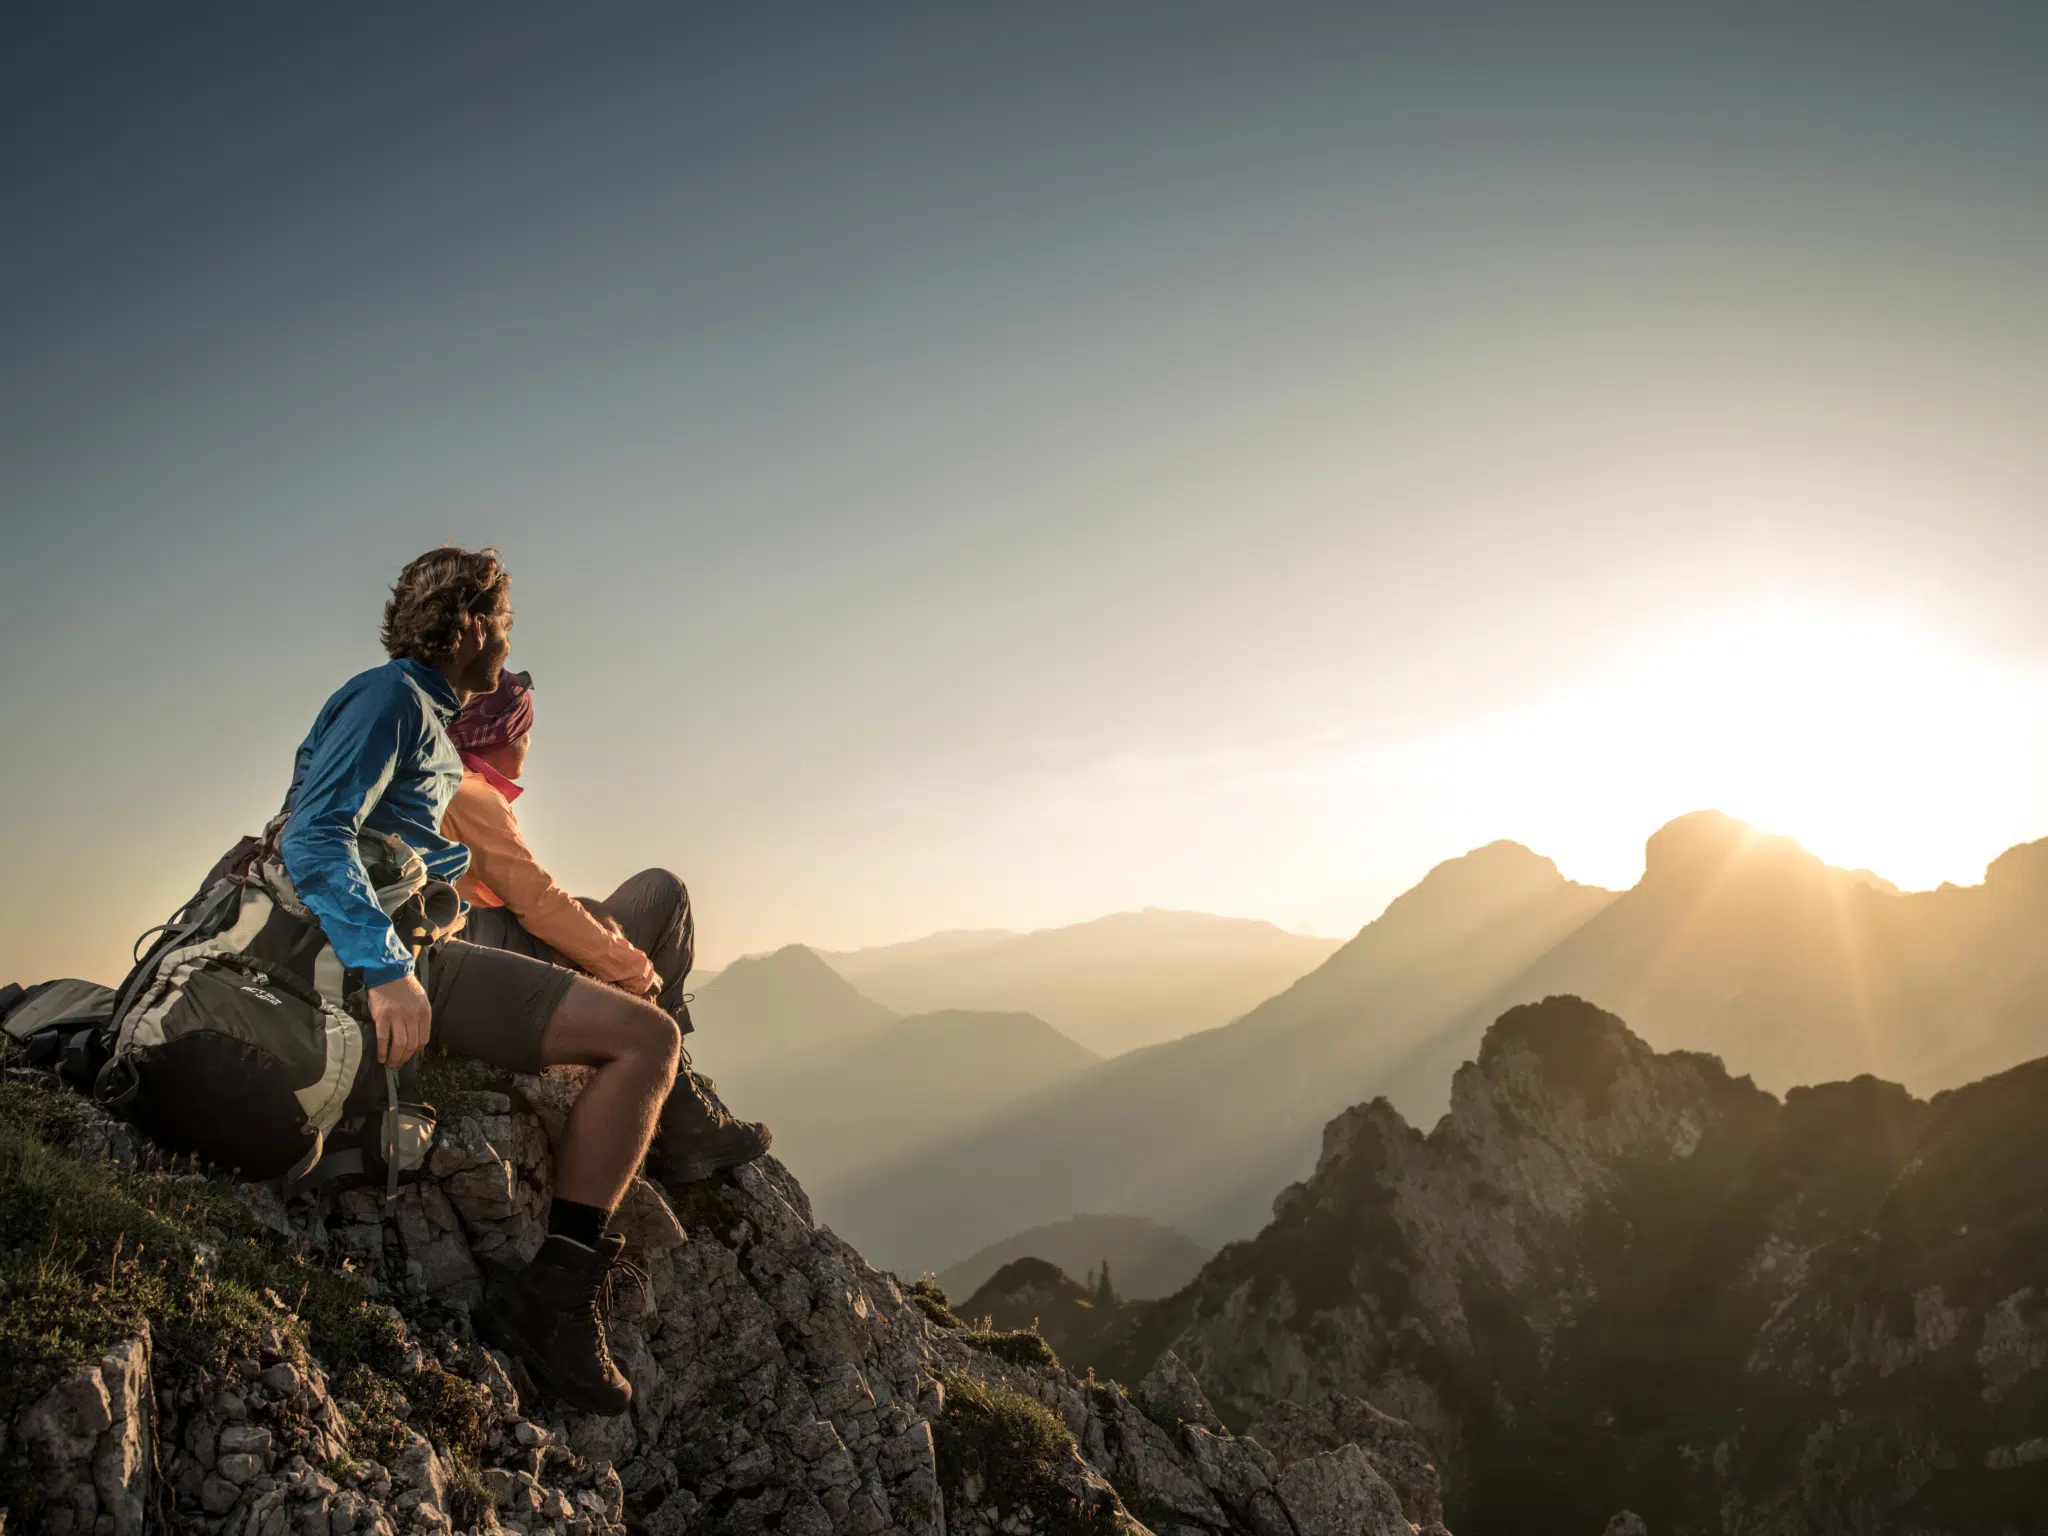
column 841, row 1114
column 778, row 1009
column 850, row 1086
column 1733, row 941
column 1123, row 981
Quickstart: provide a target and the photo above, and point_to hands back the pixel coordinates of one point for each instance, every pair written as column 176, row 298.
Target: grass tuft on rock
column 1010, row 1450
column 930, row 1299
column 90, row 1254
column 455, row 1085
column 1019, row 1346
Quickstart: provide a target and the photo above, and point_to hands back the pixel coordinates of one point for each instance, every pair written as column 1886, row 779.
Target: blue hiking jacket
column 379, row 757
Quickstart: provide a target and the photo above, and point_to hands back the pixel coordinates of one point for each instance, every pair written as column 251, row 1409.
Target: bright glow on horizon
column 1870, row 743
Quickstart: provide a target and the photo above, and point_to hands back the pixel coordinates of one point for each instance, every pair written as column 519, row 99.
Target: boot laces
column 601, row 1297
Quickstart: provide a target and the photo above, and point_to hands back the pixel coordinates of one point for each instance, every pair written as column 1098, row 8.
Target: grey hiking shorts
column 491, row 1005
column 653, row 911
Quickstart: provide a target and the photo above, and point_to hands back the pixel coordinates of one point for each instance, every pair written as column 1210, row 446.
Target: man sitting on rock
column 378, row 757
column 641, row 938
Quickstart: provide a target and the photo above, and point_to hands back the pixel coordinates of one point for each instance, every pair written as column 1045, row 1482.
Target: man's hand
column 403, row 1017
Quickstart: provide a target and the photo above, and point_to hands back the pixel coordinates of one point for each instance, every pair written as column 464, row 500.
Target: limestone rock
column 88, row 1439
column 1295, row 1431
column 1147, row 1461
column 781, row 1384
column 647, row 1222
column 1337, row 1493
column 1170, row 1393
column 1243, row 1476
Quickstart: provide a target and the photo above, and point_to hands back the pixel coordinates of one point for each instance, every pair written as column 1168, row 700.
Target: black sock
column 579, row 1223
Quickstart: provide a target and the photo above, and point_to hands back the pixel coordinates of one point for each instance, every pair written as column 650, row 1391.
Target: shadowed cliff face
column 1617, row 1277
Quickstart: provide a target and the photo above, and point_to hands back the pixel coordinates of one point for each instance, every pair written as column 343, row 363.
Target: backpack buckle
column 405, row 1135
column 116, row 1084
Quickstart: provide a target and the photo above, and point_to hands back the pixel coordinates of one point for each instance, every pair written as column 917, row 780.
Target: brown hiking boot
column 552, row 1314
column 697, row 1138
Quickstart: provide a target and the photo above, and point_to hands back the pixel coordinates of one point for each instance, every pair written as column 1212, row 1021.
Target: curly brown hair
column 432, row 597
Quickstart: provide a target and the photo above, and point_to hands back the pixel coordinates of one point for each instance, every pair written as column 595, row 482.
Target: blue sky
column 973, row 467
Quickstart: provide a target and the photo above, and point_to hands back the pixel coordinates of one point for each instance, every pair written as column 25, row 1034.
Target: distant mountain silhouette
column 1745, row 945
column 1145, row 1258
column 1734, row 942
column 777, row 1008
column 1080, row 1323
column 888, row 1092
column 1114, row 984
column 1200, row 1132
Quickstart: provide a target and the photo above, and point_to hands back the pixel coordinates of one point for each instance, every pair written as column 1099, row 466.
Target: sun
column 1871, row 744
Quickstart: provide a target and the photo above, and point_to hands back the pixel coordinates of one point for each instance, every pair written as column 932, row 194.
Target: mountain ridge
column 1146, row 1258
column 779, row 1006
column 1115, row 983
column 1213, row 1121
column 1732, row 1312
column 1732, row 942
column 891, row 1089
column 1746, row 945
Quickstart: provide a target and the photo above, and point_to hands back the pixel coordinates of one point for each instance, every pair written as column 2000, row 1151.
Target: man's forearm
column 328, row 874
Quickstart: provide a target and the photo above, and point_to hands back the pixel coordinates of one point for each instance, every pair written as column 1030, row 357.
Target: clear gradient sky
column 991, row 466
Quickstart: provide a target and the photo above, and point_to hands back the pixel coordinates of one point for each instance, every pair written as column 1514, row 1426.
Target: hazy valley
column 1123, row 981
column 1733, row 942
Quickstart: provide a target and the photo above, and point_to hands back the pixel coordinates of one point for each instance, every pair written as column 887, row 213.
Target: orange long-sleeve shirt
column 504, row 873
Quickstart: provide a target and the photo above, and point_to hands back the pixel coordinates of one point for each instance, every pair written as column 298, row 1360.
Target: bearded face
column 480, row 674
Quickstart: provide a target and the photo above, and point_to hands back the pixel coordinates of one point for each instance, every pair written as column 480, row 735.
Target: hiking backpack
column 240, row 1037
column 55, row 1023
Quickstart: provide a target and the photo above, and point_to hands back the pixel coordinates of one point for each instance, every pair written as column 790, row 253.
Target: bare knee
column 596, row 1025
column 651, row 1036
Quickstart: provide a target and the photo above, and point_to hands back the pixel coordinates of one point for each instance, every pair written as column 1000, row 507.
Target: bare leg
column 634, row 1046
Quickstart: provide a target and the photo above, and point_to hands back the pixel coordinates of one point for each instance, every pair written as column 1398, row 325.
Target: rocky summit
column 1610, row 1276
column 1613, row 1290
column 184, row 1354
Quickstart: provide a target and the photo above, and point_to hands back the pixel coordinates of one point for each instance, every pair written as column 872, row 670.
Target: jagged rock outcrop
column 1611, row 1274
column 780, row 1384
column 1295, row 1432
column 90, row 1438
